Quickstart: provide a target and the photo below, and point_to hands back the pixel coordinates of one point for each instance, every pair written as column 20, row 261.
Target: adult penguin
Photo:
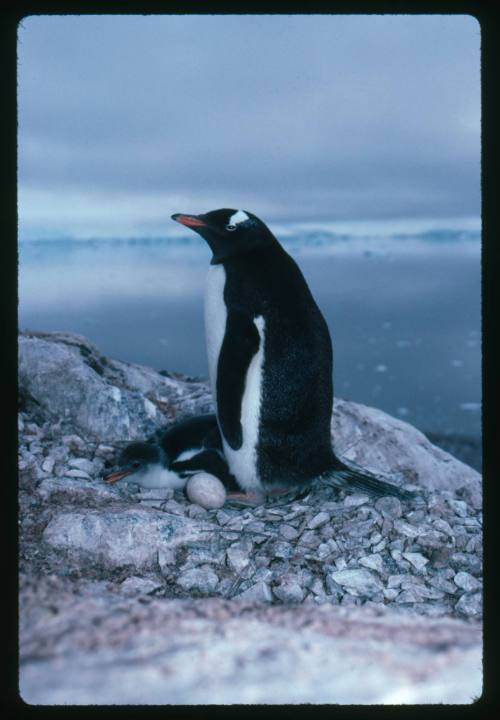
column 270, row 363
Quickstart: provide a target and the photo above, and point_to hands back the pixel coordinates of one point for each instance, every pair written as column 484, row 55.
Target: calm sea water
column 403, row 310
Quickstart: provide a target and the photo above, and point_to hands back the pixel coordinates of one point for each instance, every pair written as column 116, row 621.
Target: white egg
column 206, row 490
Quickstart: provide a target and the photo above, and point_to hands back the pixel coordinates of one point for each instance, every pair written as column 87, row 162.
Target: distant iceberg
column 369, row 238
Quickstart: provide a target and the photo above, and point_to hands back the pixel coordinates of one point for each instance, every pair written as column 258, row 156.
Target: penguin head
column 228, row 232
column 135, row 459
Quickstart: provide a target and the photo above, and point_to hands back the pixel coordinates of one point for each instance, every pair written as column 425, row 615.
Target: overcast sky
column 124, row 120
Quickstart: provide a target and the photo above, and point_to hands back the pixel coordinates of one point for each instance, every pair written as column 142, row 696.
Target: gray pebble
column 173, row 506
column 318, row 520
column 431, row 539
column 361, row 582
column 430, row 593
column 309, row 539
column 135, row 585
column 74, row 442
column 373, row 562
column 236, row 523
column 440, row 557
column 324, row 551
column 466, row 561
column 288, row 532
column 406, row 528
column 48, row 465
column 355, row 499
column 317, row 587
column 106, row 452
column 153, row 493
column 259, row 592
column 74, row 473
column 262, row 560
column 417, row 516
column 201, row 579
column 407, row 596
column 380, row 546
column 466, row 581
column 442, row 584
column 223, row 517
column 360, row 529
column 476, row 500
column 461, row 541
column 394, row 581
column 263, row 574
column 328, row 532
column 340, row 563
column 257, row 526
column 416, row 559
column 389, row 507
column 459, row 506
column 194, row 511
column 289, row 590
column 470, row 604
column 32, row 428
column 237, row 557
column 443, row 526
column 283, row 550
column 397, row 544
column 474, row 544
column 82, row 464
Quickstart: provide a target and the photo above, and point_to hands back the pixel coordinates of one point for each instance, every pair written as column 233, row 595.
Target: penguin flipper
column 241, row 342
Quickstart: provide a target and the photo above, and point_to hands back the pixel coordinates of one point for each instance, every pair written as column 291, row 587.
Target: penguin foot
column 252, row 498
column 283, row 496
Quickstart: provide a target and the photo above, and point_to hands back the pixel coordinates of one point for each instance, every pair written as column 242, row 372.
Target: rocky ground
column 288, row 603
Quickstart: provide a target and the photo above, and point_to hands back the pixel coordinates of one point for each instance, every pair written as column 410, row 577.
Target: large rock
column 106, row 651
column 117, row 537
column 104, row 399
column 374, row 440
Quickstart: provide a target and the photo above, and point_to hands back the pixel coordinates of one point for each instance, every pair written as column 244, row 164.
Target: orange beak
column 115, row 476
column 188, row 220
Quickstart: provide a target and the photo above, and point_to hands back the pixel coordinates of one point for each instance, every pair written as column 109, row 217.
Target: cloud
column 314, row 116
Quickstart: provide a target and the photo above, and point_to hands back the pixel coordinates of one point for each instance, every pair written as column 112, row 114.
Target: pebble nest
column 328, row 547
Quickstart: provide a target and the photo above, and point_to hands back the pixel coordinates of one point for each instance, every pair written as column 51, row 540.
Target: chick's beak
column 117, row 475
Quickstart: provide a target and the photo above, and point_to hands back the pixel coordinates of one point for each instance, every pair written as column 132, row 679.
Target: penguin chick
column 145, row 464
column 171, row 455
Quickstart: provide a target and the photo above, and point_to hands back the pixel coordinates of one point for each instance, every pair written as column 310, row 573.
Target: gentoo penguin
column 270, row 363
column 170, row 456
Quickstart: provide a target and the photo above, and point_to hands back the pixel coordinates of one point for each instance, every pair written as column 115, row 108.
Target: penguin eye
column 230, row 227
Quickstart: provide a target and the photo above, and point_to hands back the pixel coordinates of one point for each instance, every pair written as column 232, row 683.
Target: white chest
column 156, row 476
column 242, row 462
column 215, row 320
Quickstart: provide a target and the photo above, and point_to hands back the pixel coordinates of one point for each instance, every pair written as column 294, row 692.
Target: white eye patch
column 238, row 217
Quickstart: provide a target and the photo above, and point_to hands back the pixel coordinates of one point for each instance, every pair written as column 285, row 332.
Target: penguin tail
column 349, row 478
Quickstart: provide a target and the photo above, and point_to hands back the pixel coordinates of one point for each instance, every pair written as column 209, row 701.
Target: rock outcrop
column 366, row 569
